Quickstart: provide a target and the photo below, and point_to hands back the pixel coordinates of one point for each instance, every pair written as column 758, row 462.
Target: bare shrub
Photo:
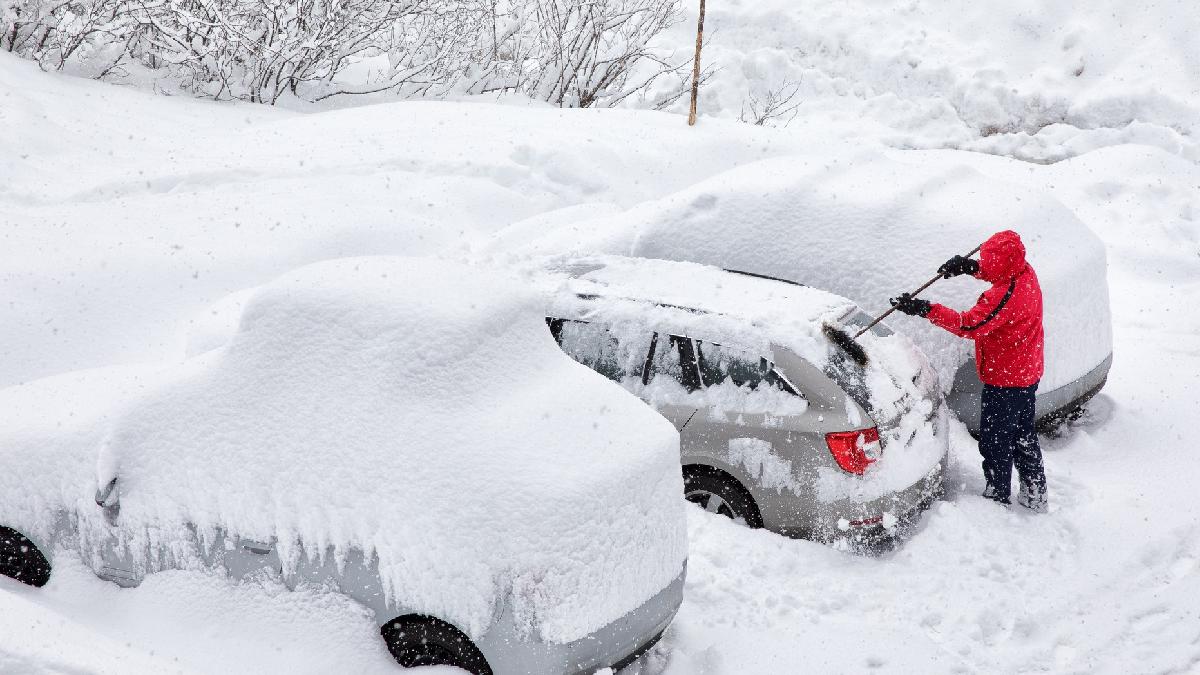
column 572, row 53
column 773, row 105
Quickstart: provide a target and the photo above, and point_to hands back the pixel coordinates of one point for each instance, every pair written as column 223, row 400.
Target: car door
column 670, row 378
column 636, row 358
column 245, row 557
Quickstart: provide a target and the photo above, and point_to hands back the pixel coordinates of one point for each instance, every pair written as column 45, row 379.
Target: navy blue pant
column 1008, row 437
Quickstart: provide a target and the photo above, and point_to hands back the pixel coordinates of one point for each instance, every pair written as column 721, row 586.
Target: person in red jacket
column 1006, row 325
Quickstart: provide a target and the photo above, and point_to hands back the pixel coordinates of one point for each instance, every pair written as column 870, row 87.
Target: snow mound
column 419, row 411
column 868, row 226
column 171, row 203
column 1039, row 80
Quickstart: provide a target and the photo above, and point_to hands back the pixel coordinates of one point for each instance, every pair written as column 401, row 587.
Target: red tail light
column 854, row 450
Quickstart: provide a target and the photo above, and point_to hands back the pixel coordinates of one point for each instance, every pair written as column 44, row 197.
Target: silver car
column 243, row 424
column 413, row 638
column 778, row 428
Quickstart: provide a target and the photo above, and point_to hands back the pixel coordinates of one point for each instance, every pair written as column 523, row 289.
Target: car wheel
column 416, row 640
column 717, row 492
column 21, row 560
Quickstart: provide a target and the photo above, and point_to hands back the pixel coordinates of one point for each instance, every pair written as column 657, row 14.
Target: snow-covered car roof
column 418, row 410
column 718, row 304
column 868, row 225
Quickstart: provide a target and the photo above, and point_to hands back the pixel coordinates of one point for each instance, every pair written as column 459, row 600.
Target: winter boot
column 990, row 492
column 1033, row 499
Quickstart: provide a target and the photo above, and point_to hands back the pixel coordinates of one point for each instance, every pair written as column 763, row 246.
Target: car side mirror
column 109, row 500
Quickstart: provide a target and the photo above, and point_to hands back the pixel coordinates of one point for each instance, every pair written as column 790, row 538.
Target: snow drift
column 419, row 411
column 1040, row 80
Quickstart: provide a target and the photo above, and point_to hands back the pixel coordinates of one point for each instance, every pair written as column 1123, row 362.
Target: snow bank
column 1039, row 80
column 123, row 213
column 420, row 411
column 868, row 226
column 35, row 641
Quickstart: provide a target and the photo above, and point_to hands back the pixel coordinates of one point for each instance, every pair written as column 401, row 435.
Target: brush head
column 846, row 343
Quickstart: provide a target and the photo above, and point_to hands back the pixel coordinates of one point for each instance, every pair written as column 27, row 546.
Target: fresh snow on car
column 133, row 218
column 779, row 428
column 407, row 431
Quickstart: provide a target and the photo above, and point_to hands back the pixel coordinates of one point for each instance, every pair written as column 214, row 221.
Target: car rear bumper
column 1052, row 404
column 887, row 517
column 615, row 645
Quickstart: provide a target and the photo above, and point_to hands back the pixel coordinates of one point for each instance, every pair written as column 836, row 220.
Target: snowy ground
column 123, row 215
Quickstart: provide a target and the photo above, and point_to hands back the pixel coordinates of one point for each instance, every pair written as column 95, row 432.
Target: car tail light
column 873, row 520
column 854, row 450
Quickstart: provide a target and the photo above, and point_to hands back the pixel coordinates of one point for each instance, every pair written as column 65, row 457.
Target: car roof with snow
column 700, row 300
column 749, row 311
column 417, row 410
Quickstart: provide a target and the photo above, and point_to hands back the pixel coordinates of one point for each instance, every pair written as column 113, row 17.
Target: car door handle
column 257, row 547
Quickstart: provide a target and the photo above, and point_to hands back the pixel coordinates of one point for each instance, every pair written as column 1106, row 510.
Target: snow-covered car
column 868, row 226
column 779, row 428
column 403, row 431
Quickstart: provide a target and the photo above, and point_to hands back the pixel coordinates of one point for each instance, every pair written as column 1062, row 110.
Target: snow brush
column 850, row 345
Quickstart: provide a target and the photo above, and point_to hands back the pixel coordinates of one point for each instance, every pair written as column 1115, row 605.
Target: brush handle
column 925, row 285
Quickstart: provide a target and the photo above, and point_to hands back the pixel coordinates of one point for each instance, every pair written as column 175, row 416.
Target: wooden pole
column 696, row 66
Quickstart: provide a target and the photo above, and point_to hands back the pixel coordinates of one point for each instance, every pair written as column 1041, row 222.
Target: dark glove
column 958, row 265
column 912, row 306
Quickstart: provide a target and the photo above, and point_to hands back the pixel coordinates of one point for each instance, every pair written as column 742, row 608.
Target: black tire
column 718, row 492
column 417, row 640
column 21, row 560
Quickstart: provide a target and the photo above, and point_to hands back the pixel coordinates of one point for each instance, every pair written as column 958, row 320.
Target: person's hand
column 958, row 265
column 912, row 306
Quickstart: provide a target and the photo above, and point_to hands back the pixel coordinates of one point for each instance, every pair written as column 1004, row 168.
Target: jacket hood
column 1001, row 257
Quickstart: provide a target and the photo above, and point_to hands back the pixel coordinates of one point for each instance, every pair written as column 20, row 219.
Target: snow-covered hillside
column 125, row 215
column 1036, row 79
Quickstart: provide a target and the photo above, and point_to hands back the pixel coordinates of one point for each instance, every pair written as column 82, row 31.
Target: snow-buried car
column 869, row 225
column 404, row 431
column 778, row 426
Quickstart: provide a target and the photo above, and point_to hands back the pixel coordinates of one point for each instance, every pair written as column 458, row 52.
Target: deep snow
column 1040, row 80
column 123, row 216
column 109, row 194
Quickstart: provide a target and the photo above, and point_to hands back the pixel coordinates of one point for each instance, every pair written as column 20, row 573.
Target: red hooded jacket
column 1006, row 322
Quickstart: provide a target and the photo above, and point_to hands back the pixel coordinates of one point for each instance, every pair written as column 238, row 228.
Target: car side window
column 719, row 364
column 674, row 358
column 619, row 355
